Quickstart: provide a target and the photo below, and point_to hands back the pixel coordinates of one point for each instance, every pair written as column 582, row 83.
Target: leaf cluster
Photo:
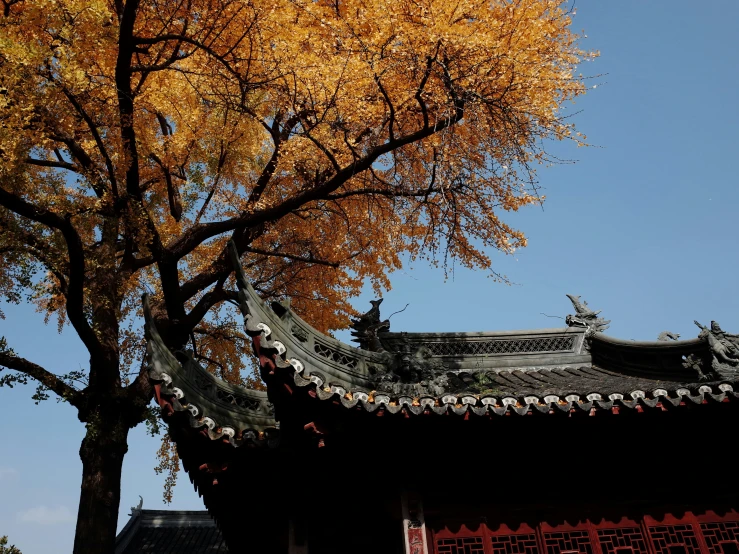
column 5, row 549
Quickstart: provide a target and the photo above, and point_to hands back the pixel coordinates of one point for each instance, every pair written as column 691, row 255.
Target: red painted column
column 414, row 526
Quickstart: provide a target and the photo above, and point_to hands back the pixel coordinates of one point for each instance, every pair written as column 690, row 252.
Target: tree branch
column 278, row 137
column 381, row 192
column 426, row 74
column 221, row 268
column 50, row 163
column 214, row 185
column 46, row 378
column 39, row 249
column 75, row 290
column 309, row 259
column 182, row 38
column 167, row 265
column 209, row 299
column 199, row 233
column 76, row 150
column 98, row 140
column 7, row 4
column 391, row 123
column 173, row 192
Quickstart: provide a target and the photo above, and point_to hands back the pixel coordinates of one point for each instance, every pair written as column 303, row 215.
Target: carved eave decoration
column 221, row 410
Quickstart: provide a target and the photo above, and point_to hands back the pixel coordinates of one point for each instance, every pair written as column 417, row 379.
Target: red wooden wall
column 707, row 533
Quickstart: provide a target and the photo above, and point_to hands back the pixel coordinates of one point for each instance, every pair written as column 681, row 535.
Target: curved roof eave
column 574, row 377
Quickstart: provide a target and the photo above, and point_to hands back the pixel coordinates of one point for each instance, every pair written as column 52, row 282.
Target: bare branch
column 46, row 378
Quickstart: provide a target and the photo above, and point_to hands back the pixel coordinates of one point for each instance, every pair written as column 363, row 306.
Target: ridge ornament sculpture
column 724, row 347
column 585, row 317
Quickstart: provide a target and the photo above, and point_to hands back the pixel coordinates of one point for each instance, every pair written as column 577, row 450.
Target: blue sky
column 644, row 227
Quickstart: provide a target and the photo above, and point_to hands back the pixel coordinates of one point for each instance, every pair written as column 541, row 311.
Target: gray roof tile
column 170, row 532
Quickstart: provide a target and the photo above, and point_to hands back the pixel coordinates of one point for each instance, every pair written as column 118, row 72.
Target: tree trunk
column 102, row 452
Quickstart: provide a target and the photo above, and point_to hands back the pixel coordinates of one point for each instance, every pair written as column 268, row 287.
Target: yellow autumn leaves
column 355, row 132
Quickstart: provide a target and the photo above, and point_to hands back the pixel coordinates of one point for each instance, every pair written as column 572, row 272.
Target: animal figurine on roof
column 724, row 347
column 585, row 317
column 365, row 329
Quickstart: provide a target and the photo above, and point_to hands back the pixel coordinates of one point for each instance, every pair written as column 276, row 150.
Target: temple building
column 520, row 442
column 169, row 532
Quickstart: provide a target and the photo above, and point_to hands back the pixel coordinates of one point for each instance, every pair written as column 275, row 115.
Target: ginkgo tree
column 330, row 139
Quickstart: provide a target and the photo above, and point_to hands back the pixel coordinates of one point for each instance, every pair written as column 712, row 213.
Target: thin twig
column 555, row 316
column 392, row 314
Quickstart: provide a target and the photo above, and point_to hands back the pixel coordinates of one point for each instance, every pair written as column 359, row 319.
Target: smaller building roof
column 170, row 532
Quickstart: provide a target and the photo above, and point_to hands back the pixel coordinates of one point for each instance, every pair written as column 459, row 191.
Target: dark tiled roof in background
column 170, row 532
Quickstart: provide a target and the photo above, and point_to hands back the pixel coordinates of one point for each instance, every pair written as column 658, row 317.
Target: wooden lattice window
column 575, row 541
column 674, row 539
column 705, row 533
column 622, row 540
column 460, row 545
column 721, row 537
column 514, row 544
